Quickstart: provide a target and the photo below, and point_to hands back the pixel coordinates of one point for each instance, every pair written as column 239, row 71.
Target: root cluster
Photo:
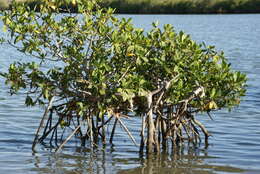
column 163, row 125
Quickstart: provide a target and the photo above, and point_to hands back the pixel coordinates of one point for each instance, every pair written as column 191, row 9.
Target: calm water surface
column 234, row 146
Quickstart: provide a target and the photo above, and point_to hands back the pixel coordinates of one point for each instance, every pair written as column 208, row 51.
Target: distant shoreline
column 172, row 6
column 184, row 6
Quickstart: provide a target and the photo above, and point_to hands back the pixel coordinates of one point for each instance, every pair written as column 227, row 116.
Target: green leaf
column 80, row 104
column 46, row 93
column 102, row 91
column 213, row 92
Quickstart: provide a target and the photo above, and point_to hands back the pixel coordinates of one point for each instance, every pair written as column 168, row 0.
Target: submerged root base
column 159, row 131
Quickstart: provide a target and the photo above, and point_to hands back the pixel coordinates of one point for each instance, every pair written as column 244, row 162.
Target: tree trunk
column 151, row 127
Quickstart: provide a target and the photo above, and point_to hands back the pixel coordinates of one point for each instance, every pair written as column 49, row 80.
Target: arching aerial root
column 162, row 126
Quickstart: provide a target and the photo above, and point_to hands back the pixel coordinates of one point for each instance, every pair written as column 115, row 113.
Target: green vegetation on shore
column 174, row 6
column 184, row 6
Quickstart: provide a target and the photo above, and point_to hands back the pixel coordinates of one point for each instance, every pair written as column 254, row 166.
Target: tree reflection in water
column 182, row 159
column 186, row 160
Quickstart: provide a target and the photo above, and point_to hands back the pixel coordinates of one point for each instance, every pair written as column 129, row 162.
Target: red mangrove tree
column 91, row 68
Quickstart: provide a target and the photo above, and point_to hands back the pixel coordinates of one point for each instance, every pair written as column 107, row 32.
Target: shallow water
column 234, row 146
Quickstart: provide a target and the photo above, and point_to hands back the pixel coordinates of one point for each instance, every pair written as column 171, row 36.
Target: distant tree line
column 184, row 6
column 170, row 6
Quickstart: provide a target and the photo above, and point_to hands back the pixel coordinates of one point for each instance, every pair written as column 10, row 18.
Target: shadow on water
column 184, row 159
